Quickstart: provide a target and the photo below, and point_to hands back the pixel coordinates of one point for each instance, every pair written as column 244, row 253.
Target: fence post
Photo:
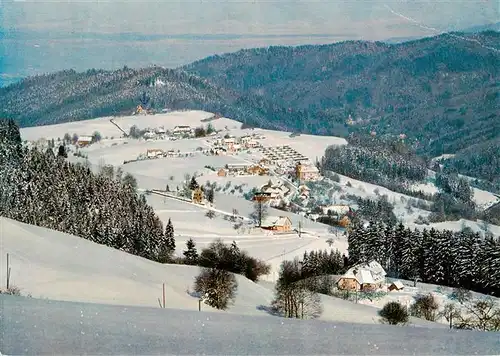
column 8, row 272
column 163, row 295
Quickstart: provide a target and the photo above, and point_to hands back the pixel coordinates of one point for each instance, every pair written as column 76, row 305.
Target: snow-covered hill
column 51, row 265
column 39, row 327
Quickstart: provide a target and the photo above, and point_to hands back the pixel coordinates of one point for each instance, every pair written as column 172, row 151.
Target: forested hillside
column 441, row 90
column 43, row 189
column 459, row 259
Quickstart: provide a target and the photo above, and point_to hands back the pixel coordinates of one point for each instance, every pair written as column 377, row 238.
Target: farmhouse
column 277, row 223
column 84, row 141
column 364, row 277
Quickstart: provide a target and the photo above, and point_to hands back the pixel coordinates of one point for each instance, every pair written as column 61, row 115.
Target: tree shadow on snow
column 269, row 310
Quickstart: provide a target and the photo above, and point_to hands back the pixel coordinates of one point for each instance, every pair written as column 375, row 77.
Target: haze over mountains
column 41, row 37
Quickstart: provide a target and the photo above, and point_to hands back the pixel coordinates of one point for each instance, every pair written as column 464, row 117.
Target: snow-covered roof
column 84, row 138
column 370, row 273
column 275, row 221
column 398, row 284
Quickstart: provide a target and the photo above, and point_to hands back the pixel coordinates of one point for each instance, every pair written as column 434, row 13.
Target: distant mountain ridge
column 442, row 90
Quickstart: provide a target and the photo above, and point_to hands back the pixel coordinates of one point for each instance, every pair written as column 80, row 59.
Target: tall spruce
column 169, row 236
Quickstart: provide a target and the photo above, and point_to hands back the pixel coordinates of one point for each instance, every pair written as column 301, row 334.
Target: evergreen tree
column 190, row 254
column 193, row 184
column 169, row 236
column 210, row 196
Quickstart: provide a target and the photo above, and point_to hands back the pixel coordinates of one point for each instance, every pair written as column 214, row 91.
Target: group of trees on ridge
column 457, row 259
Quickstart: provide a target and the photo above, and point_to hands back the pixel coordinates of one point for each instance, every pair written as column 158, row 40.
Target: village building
column 84, row 141
column 277, row 223
column 304, row 191
column 160, row 131
column 251, row 144
column 197, row 196
column 257, row 170
column 338, row 210
column 363, row 277
column 182, row 130
column 306, row 172
column 396, row 286
column 153, row 153
column 237, row 168
column 149, row 135
column 222, row 172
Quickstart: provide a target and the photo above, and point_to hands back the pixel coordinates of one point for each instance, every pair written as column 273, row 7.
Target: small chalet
column 277, row 223
column 197, row 196
column 364, row 277
column 84, row 141
column 396, row 286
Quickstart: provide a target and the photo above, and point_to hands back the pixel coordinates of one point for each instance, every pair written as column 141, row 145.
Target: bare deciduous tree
column 292, row 298
column 217, row 286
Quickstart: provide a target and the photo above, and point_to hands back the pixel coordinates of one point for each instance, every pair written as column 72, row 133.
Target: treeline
column 223, row 257
column 43, row 189
column 457, row 259
column 479, row 160
column 386, row 162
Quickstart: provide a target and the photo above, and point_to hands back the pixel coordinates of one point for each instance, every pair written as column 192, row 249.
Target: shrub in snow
column 12, row 290
column 218, row 286
column 293, row 299
column 425, row 306
column 394, row 313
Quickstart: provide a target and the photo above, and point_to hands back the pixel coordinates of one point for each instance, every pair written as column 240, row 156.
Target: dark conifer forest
column 45, row 190
column 457, row 259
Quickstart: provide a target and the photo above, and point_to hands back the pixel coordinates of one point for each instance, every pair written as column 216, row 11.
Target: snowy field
column 57, row 266
column 106, row 128
column 40, row 327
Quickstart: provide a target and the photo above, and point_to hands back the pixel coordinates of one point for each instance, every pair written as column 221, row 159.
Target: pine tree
column 193, row 184
column 191, row 254
column 210, row 196
column 169, row 236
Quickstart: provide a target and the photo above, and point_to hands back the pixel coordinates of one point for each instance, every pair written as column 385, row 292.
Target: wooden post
column 8, row 272
column 451, row 319
column 163, row 295
column 199, row 304
column 302, row 311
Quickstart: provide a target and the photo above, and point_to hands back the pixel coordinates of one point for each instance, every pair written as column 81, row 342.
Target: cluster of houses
column 159, row 133
column 230, row 144
column 238, row 169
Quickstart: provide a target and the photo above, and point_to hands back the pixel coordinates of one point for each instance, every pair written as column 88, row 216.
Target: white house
column 335, row 209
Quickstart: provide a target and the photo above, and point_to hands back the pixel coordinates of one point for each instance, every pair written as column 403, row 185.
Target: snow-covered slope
column 53, row 265
column 36, row 327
